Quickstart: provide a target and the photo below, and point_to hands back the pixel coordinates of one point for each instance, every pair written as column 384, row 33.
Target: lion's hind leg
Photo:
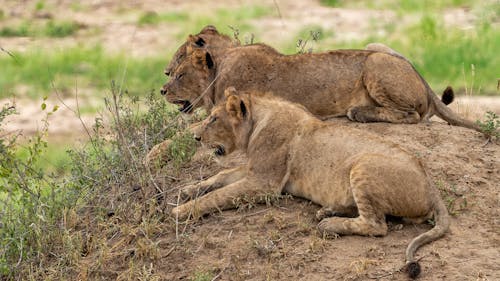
column 367, row 223
column 371, row 113
column 365, row 188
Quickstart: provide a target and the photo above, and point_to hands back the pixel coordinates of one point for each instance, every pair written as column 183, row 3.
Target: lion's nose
column 163, row 91
column 197, row 138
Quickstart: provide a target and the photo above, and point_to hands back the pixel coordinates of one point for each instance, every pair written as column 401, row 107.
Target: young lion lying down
column 345, row 170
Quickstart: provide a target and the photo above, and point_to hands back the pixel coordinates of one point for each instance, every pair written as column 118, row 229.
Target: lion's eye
column 213, row 119
column 179, row 76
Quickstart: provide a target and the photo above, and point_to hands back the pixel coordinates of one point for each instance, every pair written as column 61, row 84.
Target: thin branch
column 9, row 53
column 279, row 13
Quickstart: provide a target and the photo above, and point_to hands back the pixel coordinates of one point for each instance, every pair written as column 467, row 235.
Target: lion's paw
column 356, row 114
column 330, row 227
column 180, row 213
column 325, row 212
column 190, row 191
column 157, row 154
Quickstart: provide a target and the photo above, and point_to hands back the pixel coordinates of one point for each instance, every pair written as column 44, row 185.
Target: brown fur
column 344, row 169
column 365, row 86
column 210, row 39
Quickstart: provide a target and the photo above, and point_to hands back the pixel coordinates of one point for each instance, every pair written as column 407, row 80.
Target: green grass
column 400, row 5
column 331, row 3
column 202, row 276
column 227, row 21
column 21, row 30
column 2, row 14
column 442, row 55
column 224, row 19
column 152, row 18
column 40, row 5
column 54, row 160
column 51, row 28
column 60, row 29
column 89, row 67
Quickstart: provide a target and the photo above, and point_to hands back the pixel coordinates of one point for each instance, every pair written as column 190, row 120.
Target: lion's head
column 208, row 39
column 190, row 81
column 229, row 125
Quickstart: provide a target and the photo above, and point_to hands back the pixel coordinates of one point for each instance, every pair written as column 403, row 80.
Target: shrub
column 490, row 126
column 30, row 201
column 41, row 216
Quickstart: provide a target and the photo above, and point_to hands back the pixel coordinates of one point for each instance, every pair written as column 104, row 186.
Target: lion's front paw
column 190, row 191
column 329, row 227
column 325, row 212
column 180, row 213
column 157, row 154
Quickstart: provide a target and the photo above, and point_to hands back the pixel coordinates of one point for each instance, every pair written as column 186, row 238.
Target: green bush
column 490, row 126
column 30, row 200
column 38, row 212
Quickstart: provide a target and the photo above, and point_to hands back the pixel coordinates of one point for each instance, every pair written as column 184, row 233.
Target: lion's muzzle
column 219, row 150
column 164, row 90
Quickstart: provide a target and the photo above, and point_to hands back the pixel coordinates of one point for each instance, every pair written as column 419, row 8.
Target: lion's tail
column 441, row 225
column 448, row 96
column 445, row 113
column 439, row 107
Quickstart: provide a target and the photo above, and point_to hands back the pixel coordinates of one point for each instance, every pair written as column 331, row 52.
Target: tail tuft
column 448, row 95
column 413, row 269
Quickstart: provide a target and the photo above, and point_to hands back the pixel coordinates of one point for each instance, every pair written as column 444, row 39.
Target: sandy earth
column 280, row 241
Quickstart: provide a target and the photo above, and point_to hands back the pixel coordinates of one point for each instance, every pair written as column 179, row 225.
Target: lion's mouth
column 185, row 106
column 219, row 150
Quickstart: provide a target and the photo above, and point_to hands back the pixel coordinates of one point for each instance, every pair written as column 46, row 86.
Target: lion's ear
column 229, row 92
column 209, row 29
column 196, row 41
column 202, row 59
column 236, row 107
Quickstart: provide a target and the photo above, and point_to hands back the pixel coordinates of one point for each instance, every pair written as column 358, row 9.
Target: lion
column 356, row 176
column 219, row 46
column 364, row 85
column 210, row 38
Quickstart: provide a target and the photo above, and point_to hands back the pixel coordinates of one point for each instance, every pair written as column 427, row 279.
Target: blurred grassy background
column 54, row 44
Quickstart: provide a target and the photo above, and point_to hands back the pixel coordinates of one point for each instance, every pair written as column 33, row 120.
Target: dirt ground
column 280, row 241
